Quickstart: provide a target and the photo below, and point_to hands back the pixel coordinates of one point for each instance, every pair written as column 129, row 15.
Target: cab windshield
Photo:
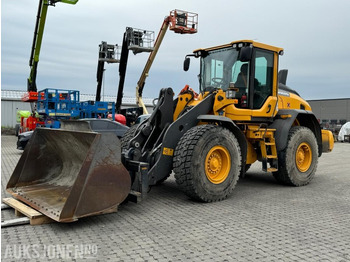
column 220, row 68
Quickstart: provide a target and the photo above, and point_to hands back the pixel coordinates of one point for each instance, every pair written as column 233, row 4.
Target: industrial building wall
column 9, row 110
column 331, row 110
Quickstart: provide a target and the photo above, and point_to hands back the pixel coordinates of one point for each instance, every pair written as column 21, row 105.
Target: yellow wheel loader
column 243, row 113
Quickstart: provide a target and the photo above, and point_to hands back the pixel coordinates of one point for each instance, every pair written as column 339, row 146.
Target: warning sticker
column 168, row 151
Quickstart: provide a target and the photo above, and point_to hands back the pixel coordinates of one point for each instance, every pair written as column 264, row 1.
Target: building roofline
column 327, row 99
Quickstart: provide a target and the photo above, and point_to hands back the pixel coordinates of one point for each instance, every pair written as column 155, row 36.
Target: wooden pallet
column 35, row 217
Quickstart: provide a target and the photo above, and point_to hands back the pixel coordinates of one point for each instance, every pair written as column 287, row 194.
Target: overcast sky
column 314, row 34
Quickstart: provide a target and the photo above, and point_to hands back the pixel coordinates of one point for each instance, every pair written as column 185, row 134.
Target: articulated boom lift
column 181, row 22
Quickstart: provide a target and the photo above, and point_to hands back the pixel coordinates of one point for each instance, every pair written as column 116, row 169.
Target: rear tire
column 297, row 163
column 207, row 163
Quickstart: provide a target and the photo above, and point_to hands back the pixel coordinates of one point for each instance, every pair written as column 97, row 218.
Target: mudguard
column 284, row 121
column 229, row 124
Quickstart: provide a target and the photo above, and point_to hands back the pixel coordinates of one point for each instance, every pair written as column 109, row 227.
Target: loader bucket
column 67, row 174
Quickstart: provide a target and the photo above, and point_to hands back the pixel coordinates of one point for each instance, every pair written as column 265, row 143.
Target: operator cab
column 246, row 68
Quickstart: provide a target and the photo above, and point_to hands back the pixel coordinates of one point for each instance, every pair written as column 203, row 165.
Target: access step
column 271, row 156
column 271, row 169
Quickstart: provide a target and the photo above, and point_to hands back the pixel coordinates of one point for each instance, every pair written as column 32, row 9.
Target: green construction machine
column 37, row 39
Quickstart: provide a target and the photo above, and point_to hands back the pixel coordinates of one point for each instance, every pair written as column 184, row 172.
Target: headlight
column 230, row 94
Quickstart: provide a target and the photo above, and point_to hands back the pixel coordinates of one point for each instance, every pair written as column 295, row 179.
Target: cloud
column 314, row 35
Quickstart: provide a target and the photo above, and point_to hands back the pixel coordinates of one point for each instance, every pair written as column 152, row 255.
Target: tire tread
column 282, row 175
column 183, row 158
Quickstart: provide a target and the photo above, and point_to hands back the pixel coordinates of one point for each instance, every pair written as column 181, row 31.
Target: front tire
column 207, row 163
column 297, row 163
column 128, row 135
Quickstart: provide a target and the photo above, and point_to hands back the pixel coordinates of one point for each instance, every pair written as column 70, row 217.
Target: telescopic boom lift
column 107, row 53
column 136, row 40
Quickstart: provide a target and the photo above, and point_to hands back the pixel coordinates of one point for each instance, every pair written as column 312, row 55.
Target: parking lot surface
column 261, row 221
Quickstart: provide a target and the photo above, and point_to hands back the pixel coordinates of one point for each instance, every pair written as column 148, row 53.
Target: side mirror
column 187, row 64
column 245, row 54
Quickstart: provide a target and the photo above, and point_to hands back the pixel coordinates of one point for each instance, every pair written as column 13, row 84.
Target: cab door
column 263, row 84
column 256, row 82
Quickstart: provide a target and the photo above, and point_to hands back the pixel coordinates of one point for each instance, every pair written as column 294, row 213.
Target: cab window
column 217, row 71
column 240, row 78
column 263, row 77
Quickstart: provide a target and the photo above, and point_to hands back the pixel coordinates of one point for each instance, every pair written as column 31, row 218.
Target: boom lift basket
column 183, row 22
column 71, row 172
column 109, row 53
column 30, row 96
column 140, row 40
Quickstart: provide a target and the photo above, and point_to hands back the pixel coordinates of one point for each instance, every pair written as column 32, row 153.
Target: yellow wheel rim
column 303, row 157
column 217, row 164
